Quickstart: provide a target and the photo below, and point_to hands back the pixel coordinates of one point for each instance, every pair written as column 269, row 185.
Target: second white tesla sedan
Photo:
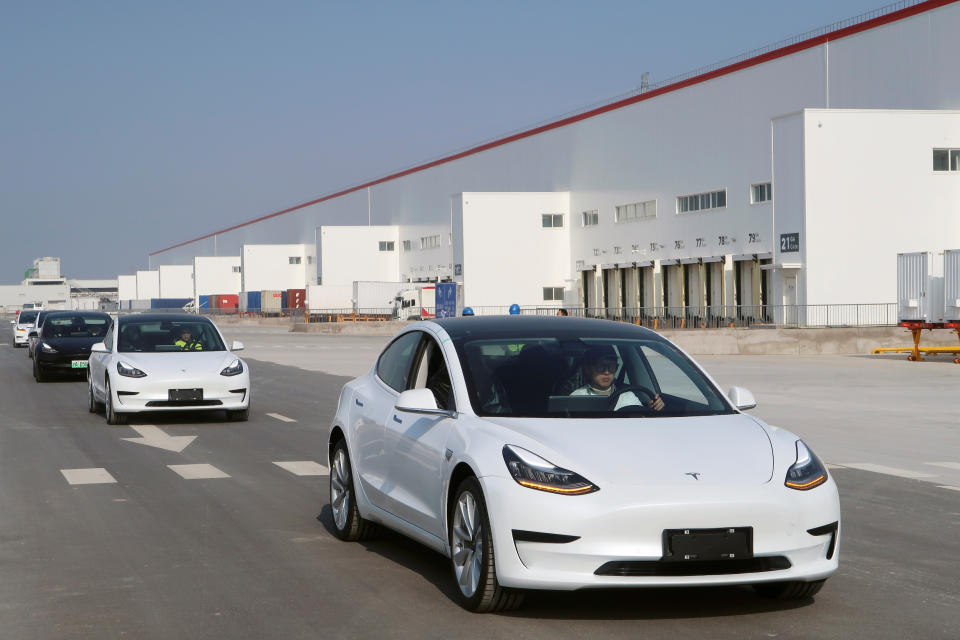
column 561, row 453
column 166, row 362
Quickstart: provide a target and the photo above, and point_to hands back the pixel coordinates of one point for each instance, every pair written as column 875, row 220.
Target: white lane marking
column 277, row 416
column 197, row 471
column 155, row 437
column 88, row 476
column 834, row 466
column 945, row 465
column 304, row 468
column 890, row 471
column 947, row 486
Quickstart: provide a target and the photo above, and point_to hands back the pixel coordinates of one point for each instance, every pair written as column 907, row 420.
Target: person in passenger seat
column 600, row 364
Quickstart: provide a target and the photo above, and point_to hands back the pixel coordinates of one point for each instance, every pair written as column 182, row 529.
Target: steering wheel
column 630, row 389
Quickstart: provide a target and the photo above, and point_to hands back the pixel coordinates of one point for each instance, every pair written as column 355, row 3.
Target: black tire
column 348, row 525
column 92, row 405
column 112, row 416
column 38, row 373
column 794, row 590
column 488, row 595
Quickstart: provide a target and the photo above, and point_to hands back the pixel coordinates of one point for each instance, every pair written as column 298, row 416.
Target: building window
column 295, row 259
column 387, row 245
column 637, row 211
column 762, row 192
column 702, row 201
column 618, row 250
column 430, row 242
column 596, row 252
column 236, row 269
column 946, row 159
column 590, row 218
column 553, row 293
column 551, row 220
column 406, row 245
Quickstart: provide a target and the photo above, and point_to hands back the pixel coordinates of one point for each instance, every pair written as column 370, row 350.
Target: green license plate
column 79, row 364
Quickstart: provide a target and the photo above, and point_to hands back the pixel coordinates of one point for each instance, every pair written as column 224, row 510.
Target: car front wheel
column 112, row 416
column 347, row 522
column 92, row 405
column 38, row 374
column 472, row 554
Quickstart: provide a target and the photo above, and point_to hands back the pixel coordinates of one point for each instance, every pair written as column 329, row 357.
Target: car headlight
column 234, row 369
column 807, row 472
column 130, row 372
column 533, row 472
column 47, row 348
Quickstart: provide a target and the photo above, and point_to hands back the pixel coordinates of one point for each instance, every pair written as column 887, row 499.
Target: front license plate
column 179, row 395
column 708, row 544
column 79, row 364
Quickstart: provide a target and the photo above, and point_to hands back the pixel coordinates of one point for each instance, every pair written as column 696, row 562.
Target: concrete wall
column 268, row 266
column 148, row 285
column 52, row 296
column 176, row 281
column 215, row 275
column 127, row 287
column 347, row 254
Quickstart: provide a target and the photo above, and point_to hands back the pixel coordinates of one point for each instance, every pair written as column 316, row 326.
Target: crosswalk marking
column 304, row 468
column 946, row 465
column 197, row 471
column 281, row 418
column 947, row 486
column 88, row 476
column 890, row 471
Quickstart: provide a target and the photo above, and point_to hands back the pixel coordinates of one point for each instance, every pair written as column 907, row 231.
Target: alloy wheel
column 340, row 489
column 467, row 542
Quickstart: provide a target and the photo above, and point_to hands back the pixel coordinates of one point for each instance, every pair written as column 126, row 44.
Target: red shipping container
column 227, row 302
column 296, row 298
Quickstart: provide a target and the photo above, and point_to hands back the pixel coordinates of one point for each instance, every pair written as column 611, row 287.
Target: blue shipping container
column 204, row 302
column 169, row 303
column 283, row 300
column 253, row 301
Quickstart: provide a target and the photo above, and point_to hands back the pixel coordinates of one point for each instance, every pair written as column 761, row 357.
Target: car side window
column 395, row 362
column 431, row 373
column 108, row 339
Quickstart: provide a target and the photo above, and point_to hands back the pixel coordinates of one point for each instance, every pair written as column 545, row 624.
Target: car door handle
column 357, row 401
column 396, row 419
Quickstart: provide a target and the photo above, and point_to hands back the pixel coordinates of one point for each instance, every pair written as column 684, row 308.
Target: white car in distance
column 166, row 362
column 25, row 321
column 563, row 453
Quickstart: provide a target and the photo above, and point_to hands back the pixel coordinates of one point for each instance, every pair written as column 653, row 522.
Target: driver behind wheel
column 600, row 364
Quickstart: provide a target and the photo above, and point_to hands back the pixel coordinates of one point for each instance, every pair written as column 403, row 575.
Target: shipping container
column 376, row 297
column 919, row 288
column 253, row 299
column 951, row 284
column 296, row 298
column 329, row 297
column 283, row 300
column 227, row 302
column 169, row 303
column 271, row 301
column 204, row 302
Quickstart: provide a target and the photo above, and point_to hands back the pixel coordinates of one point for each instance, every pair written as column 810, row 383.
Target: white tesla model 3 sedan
column 166, row 362
column 561, row 453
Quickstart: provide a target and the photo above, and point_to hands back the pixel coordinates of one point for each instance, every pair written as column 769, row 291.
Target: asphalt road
column 157, row 555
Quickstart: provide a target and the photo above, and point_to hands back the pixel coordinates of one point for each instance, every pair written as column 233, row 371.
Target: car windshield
column 551, row 377
column 157, row 336
column 75, row 325
column 26, row 317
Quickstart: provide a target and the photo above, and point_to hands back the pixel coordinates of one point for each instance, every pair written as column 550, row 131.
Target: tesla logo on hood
column 693, row 474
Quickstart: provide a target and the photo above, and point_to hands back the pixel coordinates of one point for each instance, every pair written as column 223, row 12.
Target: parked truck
column 415, row 303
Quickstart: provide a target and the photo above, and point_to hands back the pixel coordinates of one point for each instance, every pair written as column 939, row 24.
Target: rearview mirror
column 236, row 346
column 741, row 398
column 421, row 401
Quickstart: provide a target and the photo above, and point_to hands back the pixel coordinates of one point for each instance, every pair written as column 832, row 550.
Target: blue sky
column 126, row 127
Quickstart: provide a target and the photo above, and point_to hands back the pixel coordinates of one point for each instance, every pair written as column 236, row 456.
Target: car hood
column 71, row 345
column 187, row 363
column 721, row 450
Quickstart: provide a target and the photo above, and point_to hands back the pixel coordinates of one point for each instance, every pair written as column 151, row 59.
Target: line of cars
column 139, row 362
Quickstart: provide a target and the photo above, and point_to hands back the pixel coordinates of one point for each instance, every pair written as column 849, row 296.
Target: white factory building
column 792, row 176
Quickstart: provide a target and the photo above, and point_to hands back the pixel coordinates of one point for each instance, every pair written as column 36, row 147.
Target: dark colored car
column 65, row 340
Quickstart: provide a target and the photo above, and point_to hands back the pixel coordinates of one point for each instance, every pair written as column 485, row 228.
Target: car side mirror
column 13, row 322
column 99, row 347
column 236, row 346
column 33, row 334
column 421, row 401
column 741, row 398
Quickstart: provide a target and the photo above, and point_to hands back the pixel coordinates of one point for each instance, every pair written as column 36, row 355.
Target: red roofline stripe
column 647, row 95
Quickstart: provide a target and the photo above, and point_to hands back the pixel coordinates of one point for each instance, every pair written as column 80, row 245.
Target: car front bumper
column 133, row 395
column 623, row 528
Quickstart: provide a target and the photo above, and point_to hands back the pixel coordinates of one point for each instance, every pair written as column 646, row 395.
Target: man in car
column 186, row 341
column 600, row 364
